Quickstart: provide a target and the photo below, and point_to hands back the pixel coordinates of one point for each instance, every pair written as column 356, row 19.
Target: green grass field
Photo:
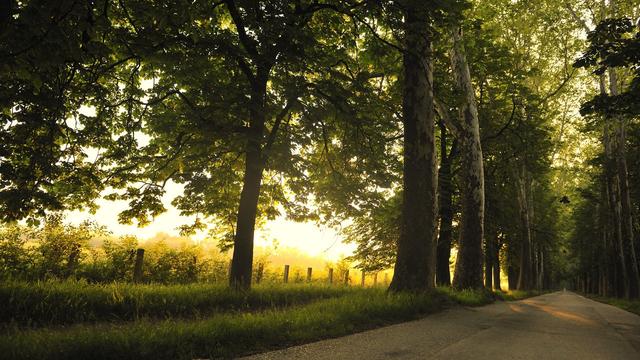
column 56, row 320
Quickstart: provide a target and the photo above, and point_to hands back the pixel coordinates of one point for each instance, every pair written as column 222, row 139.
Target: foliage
column 120, row 257
column 612, row 45
column 16, row 258
column 87, row 251
column 376, row 235
column 58, row 59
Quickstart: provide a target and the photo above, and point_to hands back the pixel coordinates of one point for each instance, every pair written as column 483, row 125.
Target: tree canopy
column 492, row 130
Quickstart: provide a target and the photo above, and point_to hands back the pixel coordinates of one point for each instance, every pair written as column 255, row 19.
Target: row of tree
column 605, row 240
column 317, row 110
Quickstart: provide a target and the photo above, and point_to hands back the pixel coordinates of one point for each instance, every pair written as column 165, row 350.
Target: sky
column 322, row 242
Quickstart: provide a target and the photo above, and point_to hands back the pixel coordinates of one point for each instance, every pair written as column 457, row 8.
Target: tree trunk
column 488, row 262
column 242, row 261
column 415, row 260
column 468, row 272
column 496, row 264
column 445, row 183
column 512, row 277
column 525, row 274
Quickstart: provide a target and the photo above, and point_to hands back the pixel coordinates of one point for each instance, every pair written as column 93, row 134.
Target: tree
column 468, row 272
column 415, row 263
column 610, row 49
column 57, row 57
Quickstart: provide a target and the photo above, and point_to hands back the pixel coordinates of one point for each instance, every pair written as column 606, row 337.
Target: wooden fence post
column 386, row 279
column 330, row 275
column 346, row 277
column 309, row 270
column 362, row 280
column 259, row 273
column 375, row 279
column 286, row 274
column 137, row 268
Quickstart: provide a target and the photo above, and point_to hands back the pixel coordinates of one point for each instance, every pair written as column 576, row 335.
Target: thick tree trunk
column 468, row 272
column 242, row 261
column 415, row 260
column 445, row 197
column 525, row 280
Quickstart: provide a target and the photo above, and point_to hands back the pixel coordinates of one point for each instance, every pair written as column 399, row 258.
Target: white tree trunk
column 468, row 272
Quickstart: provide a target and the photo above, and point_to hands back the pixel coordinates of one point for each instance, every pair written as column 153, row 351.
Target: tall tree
column 415, row 263
column 468, row 273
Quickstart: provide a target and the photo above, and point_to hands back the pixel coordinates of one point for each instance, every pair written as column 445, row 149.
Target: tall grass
column 54, row 302
column 197, row 320
column 222, row 335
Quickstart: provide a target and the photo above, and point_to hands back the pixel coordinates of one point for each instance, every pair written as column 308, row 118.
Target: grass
column 267, row 317
column 513, row 295
column 632, row 306
column 54, row 302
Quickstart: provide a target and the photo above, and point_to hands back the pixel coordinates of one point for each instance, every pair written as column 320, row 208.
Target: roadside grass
column 466, row 297
column 632, row 306
column 49, row 303
column 514, row 295
column 225, row 335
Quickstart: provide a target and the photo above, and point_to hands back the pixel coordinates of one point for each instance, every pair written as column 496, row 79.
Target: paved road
column 561, row 325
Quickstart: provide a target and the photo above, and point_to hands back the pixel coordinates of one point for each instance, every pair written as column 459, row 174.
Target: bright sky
column 315, row 241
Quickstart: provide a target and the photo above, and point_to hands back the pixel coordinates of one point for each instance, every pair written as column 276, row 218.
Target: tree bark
column 445, row 197
column 525, row 272
column 468, row 272
column 242, row 261
column 415, row 260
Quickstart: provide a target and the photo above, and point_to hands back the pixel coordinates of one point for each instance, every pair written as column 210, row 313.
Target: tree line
column 426, row 126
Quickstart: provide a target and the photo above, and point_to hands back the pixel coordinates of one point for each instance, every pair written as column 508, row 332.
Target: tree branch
column 446, row 119
column 276, row 125
column 247, row 43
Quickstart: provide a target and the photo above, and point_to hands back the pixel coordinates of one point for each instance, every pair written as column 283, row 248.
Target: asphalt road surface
column 560, row 325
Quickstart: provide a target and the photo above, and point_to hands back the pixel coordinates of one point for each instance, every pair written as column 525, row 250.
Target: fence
column 344, row 276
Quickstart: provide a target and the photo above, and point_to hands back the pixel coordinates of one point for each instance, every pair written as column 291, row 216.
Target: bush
column 16, row 258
